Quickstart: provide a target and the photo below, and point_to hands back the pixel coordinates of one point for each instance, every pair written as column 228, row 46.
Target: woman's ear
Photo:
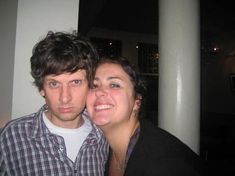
column 138, row 102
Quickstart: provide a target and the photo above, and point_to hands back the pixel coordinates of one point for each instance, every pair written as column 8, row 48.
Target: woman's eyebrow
column 115, row 77
column 110, row 78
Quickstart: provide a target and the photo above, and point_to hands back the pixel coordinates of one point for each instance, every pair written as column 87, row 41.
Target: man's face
column 65, row 95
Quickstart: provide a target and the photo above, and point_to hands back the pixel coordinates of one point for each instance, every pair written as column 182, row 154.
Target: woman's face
column 111, row 101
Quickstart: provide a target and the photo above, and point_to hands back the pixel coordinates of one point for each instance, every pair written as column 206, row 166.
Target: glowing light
column 215, row 49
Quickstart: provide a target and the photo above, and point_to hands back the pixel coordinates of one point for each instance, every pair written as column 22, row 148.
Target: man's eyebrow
column 50, row 79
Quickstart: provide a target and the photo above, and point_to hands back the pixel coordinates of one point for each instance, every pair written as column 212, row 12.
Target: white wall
column 8, row 10
column 34, row 19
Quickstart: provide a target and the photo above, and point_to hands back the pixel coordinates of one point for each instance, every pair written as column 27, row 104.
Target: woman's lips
column 103, row 107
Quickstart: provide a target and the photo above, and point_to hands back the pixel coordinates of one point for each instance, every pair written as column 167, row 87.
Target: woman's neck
column 118, row 138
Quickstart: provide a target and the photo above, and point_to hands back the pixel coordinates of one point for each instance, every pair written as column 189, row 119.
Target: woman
column 137, row 146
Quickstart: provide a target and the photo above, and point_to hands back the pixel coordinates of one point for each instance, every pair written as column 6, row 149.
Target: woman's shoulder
column 164, row 149
column 160, row 139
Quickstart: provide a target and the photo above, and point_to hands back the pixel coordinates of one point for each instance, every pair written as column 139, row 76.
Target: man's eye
column 53, row 84
column 77, row 82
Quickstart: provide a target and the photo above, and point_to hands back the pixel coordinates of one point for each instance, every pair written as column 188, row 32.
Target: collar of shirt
column 132, row 143
column 39, row 129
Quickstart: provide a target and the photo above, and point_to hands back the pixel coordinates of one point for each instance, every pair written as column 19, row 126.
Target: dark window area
column 107, row 46
column 148, row 57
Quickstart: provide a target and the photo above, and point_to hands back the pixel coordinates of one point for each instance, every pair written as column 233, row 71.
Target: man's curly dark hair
column 59, row 53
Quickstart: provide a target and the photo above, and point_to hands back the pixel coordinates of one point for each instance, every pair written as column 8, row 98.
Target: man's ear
column 42, row 93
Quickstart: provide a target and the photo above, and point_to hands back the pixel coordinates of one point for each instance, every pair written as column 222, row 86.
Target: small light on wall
column 110, row 43
column 215, row 49
column 136, row 46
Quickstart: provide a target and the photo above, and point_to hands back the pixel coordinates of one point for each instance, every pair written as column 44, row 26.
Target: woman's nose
column 100, row 91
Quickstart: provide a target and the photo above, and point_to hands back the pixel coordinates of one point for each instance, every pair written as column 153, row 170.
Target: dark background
column 217, row 145
column 142, row 16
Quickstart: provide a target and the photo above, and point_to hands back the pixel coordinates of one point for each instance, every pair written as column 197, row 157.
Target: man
column 59, row 139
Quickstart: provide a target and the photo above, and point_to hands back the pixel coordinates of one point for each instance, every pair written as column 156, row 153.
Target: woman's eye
column 114, row 85
column 94, row 86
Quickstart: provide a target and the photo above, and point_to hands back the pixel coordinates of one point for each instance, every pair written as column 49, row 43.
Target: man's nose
column 65, row 94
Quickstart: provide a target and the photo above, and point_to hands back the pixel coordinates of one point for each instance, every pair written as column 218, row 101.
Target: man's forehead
column 78, row 73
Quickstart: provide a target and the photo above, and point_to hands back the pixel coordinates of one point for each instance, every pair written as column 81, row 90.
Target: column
column 179, row 70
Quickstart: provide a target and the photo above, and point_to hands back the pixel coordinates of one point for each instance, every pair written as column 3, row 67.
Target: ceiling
column 142, row 16
column 217, row 16
column 125, row 15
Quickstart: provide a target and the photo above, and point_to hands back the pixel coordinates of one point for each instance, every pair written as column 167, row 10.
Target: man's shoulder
column 17, row 124
column 87, row 119
column 95, row 133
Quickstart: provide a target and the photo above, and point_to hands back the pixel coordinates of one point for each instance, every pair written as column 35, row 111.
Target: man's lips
column 65, row 109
